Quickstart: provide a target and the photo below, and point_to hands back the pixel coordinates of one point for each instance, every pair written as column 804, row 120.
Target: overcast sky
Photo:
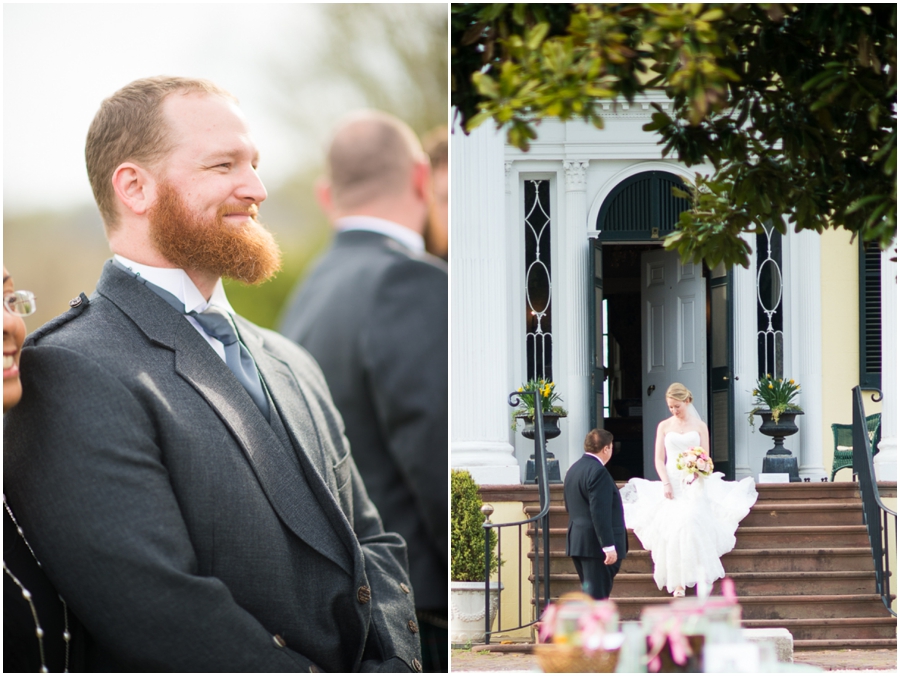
column 61, row 60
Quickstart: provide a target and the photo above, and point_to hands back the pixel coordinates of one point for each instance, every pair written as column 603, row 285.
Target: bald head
column 372, row 157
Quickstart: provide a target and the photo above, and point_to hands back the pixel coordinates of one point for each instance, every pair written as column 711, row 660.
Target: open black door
column 720, row 340
column 597, row 348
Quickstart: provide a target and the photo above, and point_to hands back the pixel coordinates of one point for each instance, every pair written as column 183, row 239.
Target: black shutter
column 869, row 316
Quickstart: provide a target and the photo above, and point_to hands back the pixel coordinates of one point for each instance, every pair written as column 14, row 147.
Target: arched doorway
column 655, row 320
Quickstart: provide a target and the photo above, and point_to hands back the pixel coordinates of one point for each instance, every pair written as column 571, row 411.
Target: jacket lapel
column 305, row 423
column 288, row 491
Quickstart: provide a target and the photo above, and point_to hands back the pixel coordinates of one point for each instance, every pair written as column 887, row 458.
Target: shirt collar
column 411, row 240
column 595, row 457
column 177, row 282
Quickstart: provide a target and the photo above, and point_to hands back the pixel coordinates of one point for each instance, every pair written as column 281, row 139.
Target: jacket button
column 279, row 641
column 75, row 302
column 363, row 594
column 413, row 627
column 416, row 665
column 404, row 588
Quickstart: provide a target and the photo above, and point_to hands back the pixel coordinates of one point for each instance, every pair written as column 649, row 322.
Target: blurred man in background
column 437, row 232
column 373, row 313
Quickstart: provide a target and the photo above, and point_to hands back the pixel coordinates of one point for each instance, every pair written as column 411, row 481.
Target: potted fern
column 467, row 562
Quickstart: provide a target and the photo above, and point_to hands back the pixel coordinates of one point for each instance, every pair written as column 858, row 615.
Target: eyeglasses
column 20, row 303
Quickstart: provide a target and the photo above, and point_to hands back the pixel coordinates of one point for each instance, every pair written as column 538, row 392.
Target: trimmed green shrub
column 466, row 531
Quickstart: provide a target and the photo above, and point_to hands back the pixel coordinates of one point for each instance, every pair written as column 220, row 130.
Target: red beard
column 247, row 253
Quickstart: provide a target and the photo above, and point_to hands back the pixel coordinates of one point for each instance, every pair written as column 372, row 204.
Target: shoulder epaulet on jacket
column 76, row 307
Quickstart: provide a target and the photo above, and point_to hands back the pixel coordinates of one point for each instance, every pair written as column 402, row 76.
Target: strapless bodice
column 677, row 443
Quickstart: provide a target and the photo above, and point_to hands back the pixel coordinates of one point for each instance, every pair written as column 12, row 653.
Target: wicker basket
column 562, row 659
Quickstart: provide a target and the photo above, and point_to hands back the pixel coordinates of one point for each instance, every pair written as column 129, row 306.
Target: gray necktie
column 217, row 324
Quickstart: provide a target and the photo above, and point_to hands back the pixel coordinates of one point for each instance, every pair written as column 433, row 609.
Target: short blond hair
column 679, row 392
column 130, row 126
column 371, row 155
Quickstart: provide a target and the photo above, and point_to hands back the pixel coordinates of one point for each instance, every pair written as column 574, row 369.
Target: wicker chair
column 843, row 442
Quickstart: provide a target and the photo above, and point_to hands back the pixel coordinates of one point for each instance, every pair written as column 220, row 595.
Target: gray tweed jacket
column 184, row 530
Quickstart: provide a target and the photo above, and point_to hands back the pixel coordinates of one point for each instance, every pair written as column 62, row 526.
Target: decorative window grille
column 538, row 316
column 869, row 316
column 769, row 310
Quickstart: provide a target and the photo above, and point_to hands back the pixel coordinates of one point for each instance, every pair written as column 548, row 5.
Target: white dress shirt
column 411, row 240
column 611, row 548
column 177, row 282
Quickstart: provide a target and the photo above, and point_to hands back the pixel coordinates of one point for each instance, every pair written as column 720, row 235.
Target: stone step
column 770, row 515
column 834, row 629
column 836, row 583
column 804, row 492
column 804, row 514
column 772, row 584
column 758, row 537
column 770, row 608
column 847, row 644
column 750, row 560
column 833, row 492
column 761, row 537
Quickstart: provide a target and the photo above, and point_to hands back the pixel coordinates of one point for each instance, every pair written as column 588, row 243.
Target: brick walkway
column 829, row 660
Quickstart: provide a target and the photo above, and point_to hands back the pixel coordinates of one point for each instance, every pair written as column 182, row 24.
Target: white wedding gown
column 686, row 536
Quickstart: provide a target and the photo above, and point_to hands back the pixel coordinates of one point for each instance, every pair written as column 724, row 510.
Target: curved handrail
column 543, row 482
column 875, row 512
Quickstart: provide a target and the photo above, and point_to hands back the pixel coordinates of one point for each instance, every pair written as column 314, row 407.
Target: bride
column 686, row 525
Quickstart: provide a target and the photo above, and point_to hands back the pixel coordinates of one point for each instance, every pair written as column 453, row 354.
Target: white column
column 886, row 460
column 479, row 333
column 806, row 304
column 749, row 447
column 574, row 294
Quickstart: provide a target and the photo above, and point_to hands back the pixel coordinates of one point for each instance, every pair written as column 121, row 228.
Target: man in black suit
column 373, row 313
column 597, row 540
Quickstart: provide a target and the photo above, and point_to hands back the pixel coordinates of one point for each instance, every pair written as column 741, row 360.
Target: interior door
column 673, row 339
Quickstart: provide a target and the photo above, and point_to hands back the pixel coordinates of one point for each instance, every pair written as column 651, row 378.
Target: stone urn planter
column 467, row 611
column 551, row 431
column 778, row 459
column 551, row 426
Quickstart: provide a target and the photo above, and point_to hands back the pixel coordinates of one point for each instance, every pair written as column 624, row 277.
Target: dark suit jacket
column 183, row 532
column 373, row 314
column 596, row 519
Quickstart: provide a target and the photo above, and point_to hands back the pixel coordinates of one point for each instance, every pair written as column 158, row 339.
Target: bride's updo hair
column 679, row 392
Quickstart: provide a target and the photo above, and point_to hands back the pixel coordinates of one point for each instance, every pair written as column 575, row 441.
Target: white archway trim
column 671, row 167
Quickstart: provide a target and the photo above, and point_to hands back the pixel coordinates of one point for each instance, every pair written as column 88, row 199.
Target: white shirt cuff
column 609, row 549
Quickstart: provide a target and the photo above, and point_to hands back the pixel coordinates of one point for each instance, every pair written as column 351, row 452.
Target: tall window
column 869, row 316
column 538, row 317
column 769, row 309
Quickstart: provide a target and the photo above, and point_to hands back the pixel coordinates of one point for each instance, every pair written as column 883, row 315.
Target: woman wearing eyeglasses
column 40, row 633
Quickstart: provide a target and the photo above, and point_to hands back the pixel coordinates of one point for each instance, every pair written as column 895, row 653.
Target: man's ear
column 134, row 187
column 421, row 181
column 324, row 196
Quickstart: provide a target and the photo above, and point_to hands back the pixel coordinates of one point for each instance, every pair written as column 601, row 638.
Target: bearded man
column 181, row 474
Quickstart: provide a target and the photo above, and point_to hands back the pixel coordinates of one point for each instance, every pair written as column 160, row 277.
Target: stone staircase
column 802, row 561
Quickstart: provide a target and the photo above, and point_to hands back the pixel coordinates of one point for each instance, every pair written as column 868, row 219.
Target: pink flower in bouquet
column 695, row 462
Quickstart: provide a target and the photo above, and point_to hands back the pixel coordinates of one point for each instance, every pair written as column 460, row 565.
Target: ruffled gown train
column 688, row 535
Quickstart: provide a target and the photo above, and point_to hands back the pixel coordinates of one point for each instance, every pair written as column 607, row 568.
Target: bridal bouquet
column 696, row 462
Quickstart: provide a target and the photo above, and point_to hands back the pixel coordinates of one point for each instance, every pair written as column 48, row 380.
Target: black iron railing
column 542, row 524
column 876, row 515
